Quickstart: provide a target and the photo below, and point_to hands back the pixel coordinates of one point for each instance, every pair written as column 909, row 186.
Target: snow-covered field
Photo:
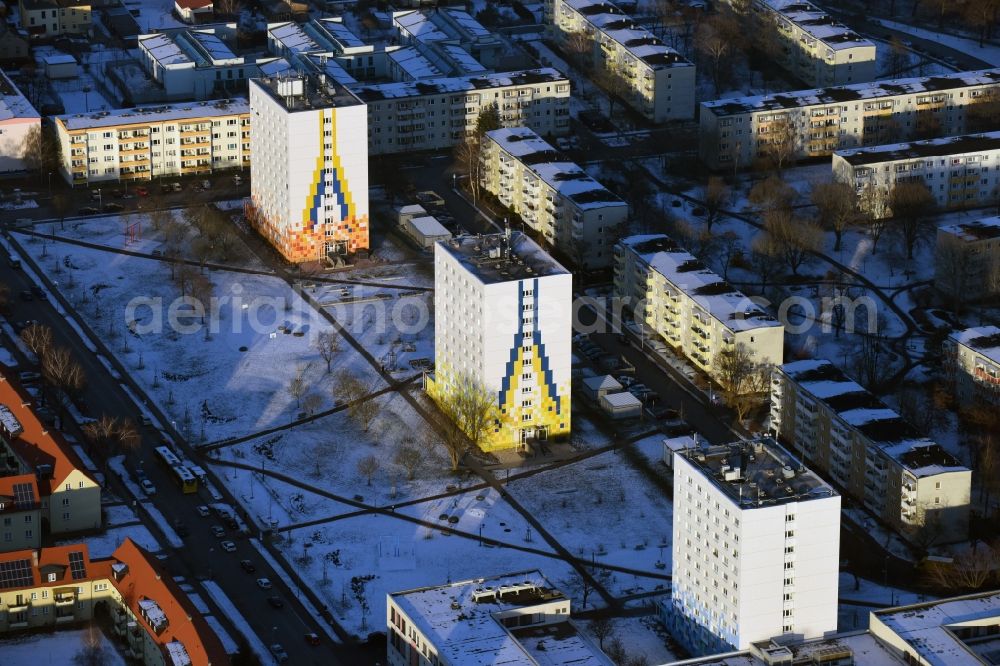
column 56, row 649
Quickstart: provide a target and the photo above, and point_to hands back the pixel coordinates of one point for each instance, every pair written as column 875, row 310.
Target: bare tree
column 744, row 381
column 765, row 258
column 772, row 193
column 408, row 458
column 616, row 651
column 471, row 410
column 109, row 435
column 37, row 338
column 969, row 570
column 874, row 205
column 92, row 651
column 297, row 387
column 899, row 57
column 716, row 40
column 729, row 248
column 714, row 196
column 328, row 346
column 468, row 160
column 40, row 150
column 368, row 467
column 61, row 371
column 780, row 142
column 579, row 46
column 912, row 206
column 601, row 628
column 614, row 85
column 983, row 114
column 837, row 208
column 312, row 402
column 61, row 206
column 870, row 362
column 795, row 240
column 357, row 394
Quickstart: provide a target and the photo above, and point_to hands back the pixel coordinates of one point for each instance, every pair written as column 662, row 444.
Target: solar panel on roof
column 76, row 568
column 15, row 574
column 24, row 495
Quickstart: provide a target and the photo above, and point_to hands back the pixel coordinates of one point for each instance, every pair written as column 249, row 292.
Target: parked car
column 264, row 583
column 181, row 529
column 228, row 546
column 275, row 602
column 26, row 295
column 14, row 261
column 312, row 639
column 176, row 187
column 39, row 293
column 142, row 191
column 88, row 210
column 148, row 487
column 279, row 653
column 218, row 531
column 247, row 566
column 203, row 511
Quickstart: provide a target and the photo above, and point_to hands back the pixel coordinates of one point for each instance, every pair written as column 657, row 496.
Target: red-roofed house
column 70, row 500
column 194, row 11
column 149, row 612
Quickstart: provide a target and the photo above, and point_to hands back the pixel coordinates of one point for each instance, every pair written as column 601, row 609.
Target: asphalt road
column 201, row 555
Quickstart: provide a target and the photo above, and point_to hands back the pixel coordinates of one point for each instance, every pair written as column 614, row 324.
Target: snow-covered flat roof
column 862, row 645
column 502, row 257
column 460, row 58
column 944, row 147
column 440, row 86
column 602, row 382
column 983, row 340
column 293, row 38
column 458, row 619
column 164, row 50
column 466, row 23
column 818, row 24
column 331, row 68
column 12, row 103
column 983, row 229
column 214, row 47
column 609, row 19
column 944, row 632
column 414, row 63
column 153, row 612
column 725, row 303
column 851, row 93
column 419, row 26
column 59, row 59
column 178, row 653
column 866, row 413
column 563, row 176
column 622, row 399
column 341, row 35
column 429, row 227
column 144, row 115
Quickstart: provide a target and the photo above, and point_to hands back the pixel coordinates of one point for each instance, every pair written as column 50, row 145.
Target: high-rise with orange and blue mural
column 503, row 324
column 309, row 167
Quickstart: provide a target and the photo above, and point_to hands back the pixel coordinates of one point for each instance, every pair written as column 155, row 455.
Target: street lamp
column 50, row 184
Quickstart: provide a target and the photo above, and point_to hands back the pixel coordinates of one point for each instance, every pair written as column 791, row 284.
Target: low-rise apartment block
column 198, row 63
column 660, row 83
column 309, row 176
column 813, row 46
column 967, row 259
column 972, row 357
column 756, row 548
column 150, row 141
column 736, row 132
column 516, row 619
column 432, row 114
column 62, row 586
column 17, row 120
column 961, row 171
column 51, row 18
column 957, row 631
column 910, row 482
column 575, row 214
column 39, row 470
column 694, row 310
column 503, row 326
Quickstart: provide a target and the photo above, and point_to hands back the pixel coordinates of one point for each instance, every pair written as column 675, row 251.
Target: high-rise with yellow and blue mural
column 503, row 322
column 309, row 167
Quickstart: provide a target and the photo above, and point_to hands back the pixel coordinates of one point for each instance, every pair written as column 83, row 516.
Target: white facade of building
column 960, row 172
column 853, row 438
column 309, row 176
column 575, row 213
column 431, row 114
column 660, row 82
column 502, row 321
column 973, row 358
column 146, row 142
column 17, row 119
column 967, row 259
column 691, row 307
column 735, row 132
column 756, row 548
column 814, row 47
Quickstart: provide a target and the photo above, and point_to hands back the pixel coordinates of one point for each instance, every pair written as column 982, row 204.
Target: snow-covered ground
column 988, row 52
column 104, row 544
column 53, row 649
column 236, row 617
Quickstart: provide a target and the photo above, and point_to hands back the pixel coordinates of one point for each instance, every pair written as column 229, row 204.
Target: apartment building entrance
column 534, row 434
